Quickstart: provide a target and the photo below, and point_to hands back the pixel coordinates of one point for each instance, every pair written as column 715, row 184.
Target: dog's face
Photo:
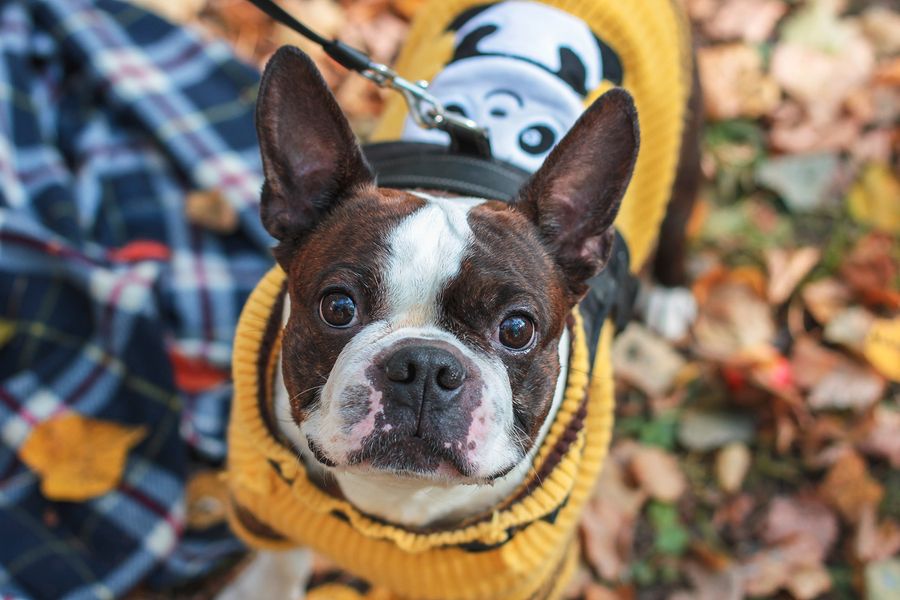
column 423, row 331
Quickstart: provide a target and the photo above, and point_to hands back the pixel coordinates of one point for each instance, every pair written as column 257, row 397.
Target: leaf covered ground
column 760, row 455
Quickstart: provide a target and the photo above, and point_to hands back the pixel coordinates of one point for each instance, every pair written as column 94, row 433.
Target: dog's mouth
column 409, row 456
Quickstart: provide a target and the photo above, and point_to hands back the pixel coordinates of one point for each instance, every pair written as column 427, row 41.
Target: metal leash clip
column 427, row 111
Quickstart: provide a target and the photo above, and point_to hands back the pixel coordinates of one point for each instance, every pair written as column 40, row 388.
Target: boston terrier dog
column 425, row 339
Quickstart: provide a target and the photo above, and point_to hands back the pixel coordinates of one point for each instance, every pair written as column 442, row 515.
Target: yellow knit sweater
column 523, row 549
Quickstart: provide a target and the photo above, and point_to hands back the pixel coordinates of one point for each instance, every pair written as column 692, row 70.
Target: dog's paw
column 669, row 312
column 272, row 575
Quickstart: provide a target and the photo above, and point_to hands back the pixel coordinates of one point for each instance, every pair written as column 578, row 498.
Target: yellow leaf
column 875, row 198
column 77, row 457
column 882, row 347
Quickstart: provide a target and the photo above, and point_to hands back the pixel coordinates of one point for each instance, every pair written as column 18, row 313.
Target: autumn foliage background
column 759, row 456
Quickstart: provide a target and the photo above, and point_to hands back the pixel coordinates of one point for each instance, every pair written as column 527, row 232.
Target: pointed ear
column 575, row 195
column 311, row 159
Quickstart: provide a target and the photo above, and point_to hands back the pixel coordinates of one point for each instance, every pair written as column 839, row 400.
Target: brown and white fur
column 435, row 274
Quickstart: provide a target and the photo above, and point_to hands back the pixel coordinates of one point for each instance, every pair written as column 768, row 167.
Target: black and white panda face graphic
column 525, row 110
column 522, row 70
column 505, row 117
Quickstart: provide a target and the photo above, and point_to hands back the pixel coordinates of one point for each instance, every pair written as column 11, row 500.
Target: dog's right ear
column 311, row 159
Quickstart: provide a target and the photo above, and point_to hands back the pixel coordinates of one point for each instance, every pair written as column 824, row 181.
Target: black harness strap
column 411, row 165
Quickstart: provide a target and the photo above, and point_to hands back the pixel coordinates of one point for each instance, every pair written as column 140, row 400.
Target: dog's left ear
column 311, row 159
column 575, row 195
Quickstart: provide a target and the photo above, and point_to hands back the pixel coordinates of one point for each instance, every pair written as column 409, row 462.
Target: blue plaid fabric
column 109, row 116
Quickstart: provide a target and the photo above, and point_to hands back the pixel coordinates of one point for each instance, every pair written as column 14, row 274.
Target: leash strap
column 466, row 136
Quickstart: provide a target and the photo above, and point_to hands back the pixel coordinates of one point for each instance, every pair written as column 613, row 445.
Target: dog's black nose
column 428, row 371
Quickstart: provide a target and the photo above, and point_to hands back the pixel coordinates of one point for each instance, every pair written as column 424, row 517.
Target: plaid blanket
column 113, row 304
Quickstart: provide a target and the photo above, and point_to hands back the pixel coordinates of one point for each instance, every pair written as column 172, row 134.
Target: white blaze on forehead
column 425, row 252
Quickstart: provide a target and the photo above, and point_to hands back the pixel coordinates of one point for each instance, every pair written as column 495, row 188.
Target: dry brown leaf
column 883, row 437
column 748, row 20
column 821, row 59
column 790, row 518
column 871, row 270
column 821, row 80
column 658, row 473
column 183, row 11
column 732, row 463
column 849, row 488
column 810, row 362
column 77, row 457
column 807, row 583
column 734, row 324
column 645, row 360
column 875, row 198
column 850, row 328
column 787, row 268
column 206, row 498
column 825, row 298
column 734, row 84
column 724, row 584
column 875, row 541
column 211, row 210
column 767, row 571
column 595, row 591
column 607, row 525
column 881, row 26
column 849, row 385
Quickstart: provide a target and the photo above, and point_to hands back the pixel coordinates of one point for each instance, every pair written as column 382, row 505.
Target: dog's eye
column 337, row 309
column 516, row 332
column 537, row 139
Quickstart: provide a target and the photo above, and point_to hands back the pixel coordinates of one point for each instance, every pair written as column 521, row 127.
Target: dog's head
column 423, row 331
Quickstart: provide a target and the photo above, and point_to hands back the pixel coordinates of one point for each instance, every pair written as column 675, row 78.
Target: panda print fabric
column 521, row 70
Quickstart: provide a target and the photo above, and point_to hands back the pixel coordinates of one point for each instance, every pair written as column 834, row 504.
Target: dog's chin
column 408, row 458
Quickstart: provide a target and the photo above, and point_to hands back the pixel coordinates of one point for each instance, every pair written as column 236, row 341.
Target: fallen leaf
column 706, row 430
column 849, row 385
column 747, row 20
column 849, row 488
column 766, row 571
column 882, row 580
column 77, row 457
column 658, row 473
column 850, row 328
column 805, row 182
column 871, row 270
column 607, row 525
column 734, row 325
column 183, row 11
column 710, row 585
column 732, row 464
column 734, row 83
column 825, row 298
column 811, row 362
column 787, row 268
column 875, row 198
column 875, row 541
column 883, row 437
column 793, row 517
column 206, row 499
column 211, row 210
column 881, row 347
column 881, row 26
column 645, row 360
column 407, row 8
column 821, row 59
column 809, row 582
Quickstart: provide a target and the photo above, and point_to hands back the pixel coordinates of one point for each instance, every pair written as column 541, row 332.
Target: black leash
column 466, row 136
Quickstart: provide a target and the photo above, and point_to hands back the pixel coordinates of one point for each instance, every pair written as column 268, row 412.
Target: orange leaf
column 77, row 457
